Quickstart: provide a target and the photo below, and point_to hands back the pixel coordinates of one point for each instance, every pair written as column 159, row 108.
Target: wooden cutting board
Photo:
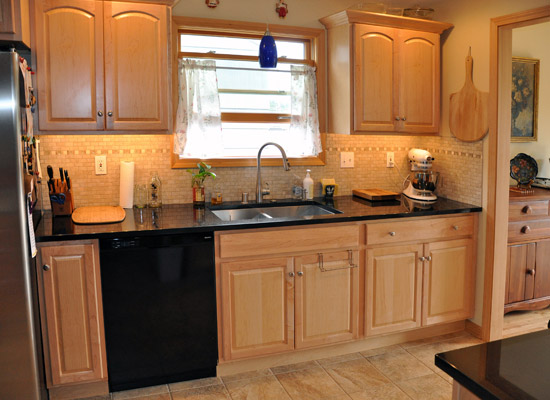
column 98, row 215
column 468, row 112
column 375, row 194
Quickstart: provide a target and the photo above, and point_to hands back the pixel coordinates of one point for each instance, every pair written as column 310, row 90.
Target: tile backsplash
column 459, row 164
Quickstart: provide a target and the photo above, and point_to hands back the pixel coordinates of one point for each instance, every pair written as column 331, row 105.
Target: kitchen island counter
column 182, row 218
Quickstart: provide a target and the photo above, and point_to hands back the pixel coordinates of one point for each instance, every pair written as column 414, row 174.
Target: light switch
column 346, row 159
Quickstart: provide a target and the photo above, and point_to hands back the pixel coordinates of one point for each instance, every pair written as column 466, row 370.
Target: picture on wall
column 525, row 82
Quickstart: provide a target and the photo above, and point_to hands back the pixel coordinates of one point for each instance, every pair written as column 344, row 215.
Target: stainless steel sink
column 264, row 213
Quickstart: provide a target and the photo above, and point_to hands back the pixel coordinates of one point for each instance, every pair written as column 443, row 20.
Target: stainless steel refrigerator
column 21, row 374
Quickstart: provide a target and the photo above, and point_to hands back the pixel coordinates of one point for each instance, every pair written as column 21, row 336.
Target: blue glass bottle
column 268, row 51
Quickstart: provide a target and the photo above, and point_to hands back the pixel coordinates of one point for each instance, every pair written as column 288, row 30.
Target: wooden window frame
column 315, row 45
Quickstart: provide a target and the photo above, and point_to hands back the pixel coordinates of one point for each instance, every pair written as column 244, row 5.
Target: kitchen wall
column 76, row 153
column 526, row 43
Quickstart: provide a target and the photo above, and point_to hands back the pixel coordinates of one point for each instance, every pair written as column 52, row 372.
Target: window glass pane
column 254, row 103
column 238, row 46
column 251, row 76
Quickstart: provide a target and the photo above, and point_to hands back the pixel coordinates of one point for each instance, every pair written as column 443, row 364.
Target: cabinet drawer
column 436, row 228
column 260, row 242
column 522, row 230
column 522, row 209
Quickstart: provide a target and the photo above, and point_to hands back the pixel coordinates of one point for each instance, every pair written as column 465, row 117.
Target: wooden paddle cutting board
column 468, row 112
column 375, row 194
column 98, row 215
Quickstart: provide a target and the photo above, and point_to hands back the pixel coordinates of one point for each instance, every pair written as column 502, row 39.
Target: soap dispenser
column 308, row 186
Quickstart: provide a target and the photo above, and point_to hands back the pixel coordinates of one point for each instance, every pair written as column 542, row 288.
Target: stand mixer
column 422, row 181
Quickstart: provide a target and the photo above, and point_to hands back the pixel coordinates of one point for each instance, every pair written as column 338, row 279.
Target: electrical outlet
column 100, row 165
column 390, row 160
column 346, row 159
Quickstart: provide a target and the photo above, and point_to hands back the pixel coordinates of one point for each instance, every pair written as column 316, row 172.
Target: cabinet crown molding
column 393, row 21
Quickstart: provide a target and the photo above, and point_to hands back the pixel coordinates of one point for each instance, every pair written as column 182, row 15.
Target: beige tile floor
column 405, row 371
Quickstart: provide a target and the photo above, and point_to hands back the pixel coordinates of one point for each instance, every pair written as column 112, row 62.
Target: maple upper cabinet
column 102, row 66
column 383, row 73
column 14, row 21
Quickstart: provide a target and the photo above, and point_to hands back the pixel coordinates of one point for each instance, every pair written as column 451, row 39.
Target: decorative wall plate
column 523, row 168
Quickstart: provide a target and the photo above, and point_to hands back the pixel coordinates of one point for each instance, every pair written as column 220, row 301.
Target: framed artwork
column 525, row 85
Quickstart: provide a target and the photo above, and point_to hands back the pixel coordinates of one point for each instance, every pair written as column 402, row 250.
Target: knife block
column 62, row 209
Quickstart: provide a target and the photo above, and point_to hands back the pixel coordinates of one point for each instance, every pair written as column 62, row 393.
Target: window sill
column 176, row 162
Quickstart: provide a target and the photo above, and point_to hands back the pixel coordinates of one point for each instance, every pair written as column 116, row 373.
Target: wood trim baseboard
column 473, row 329
column 81, row 390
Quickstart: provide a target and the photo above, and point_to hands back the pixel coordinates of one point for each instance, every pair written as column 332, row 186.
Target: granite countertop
column 183, row 218
column 513, row 368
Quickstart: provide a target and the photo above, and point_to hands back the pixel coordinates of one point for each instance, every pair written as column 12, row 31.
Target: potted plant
column 197, row 182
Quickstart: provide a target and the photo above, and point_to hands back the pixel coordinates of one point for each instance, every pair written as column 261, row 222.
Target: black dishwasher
column 159, row 305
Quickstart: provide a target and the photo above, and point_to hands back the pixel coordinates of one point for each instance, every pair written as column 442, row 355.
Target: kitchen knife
column 50, row 181
column 61, row 173
column 68, row 180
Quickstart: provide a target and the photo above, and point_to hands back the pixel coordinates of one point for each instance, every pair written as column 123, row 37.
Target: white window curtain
column 304, row 121
column 198, row 119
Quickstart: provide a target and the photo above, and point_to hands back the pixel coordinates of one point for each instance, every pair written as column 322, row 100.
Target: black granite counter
column 183, row 218
column 514, row 368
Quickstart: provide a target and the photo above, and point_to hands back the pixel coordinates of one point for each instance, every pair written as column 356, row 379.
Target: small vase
column 198, row 196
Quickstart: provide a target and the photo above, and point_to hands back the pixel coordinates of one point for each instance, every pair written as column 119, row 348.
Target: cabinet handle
column 403, row 119
column 300, row 273
column 391, row 233
column 527, row 210
column 531, row 272
column 397, row 118
column 100, row 113
column 110, row 113
column 349, row 266
column 46, row 267
column 291, row 274
column 525, row 229
column 429, row 258
column 422, row 258
column 455, row 227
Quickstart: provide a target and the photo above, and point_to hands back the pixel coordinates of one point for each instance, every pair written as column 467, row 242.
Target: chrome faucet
column 286, row 165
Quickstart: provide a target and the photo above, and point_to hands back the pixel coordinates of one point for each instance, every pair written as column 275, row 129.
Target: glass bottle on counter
column 155, row 191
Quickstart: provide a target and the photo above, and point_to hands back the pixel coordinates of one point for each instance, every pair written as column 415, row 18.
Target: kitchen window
column 255, row 103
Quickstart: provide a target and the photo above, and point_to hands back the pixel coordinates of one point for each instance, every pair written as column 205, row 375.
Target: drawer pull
column 531, row 272
column 350, row 263
column 455, row 227
column 525, row 229
column 391, row 233
column 291, row 274
column 527, row 210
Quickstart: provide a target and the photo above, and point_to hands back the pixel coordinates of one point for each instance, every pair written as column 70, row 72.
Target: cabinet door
column 14, row 21
column 393, row 289
column 327, row 298
column 419, row 81
column 519, row 282
column 136, row 66
column 72, row 313
column 69, row 56
column 448, row 281
column 542, row 269
column 257, row 307
column 375, row 95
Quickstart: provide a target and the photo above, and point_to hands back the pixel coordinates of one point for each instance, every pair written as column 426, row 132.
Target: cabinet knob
column 300, row 273
column 455, row 227
column 391, row 233
column 429, row 258
column 397, row 118
column 110, row 113
column 531, row 272
column 403, row 119
column 100, row 113
column 291, row 274
column 527, row 210
column 525, row 229
column 46, row 267
column 422, row 258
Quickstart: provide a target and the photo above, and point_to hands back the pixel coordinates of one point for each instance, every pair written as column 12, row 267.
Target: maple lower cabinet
column 258, row 307
column 419, row 273
column 394, row 289
column 102, row 66
column 285, row 289
column 386, row 70
column 72, row 318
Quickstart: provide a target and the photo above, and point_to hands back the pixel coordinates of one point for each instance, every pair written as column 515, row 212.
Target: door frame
column 498, row 164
